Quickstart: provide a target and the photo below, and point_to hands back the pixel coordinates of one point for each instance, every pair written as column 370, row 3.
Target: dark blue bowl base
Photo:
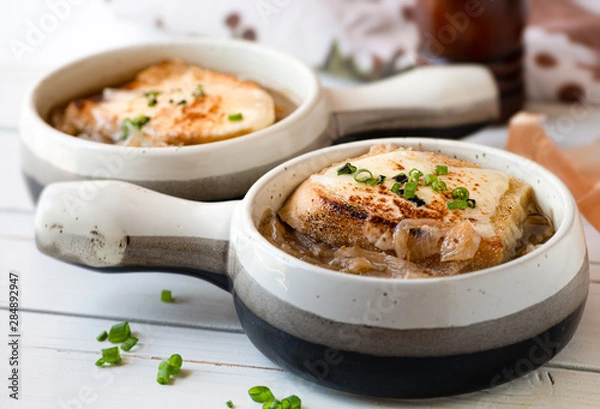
column 405, row 377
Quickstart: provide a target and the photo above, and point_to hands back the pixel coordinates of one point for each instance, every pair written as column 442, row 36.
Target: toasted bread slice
column 185, row 105
column 338, row 210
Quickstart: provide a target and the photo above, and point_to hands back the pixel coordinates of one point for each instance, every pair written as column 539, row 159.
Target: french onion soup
column 173, row 103
column 397, row 212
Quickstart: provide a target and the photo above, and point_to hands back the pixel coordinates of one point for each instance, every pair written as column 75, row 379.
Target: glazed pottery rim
column 303, row 109
column 563, row 194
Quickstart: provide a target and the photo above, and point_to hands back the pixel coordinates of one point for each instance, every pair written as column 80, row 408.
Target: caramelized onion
column 461, row 243
column 418, row 239
column 357, row 260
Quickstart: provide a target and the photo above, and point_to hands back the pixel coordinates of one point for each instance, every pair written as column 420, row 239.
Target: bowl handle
column 119, row 226
column 441, row 101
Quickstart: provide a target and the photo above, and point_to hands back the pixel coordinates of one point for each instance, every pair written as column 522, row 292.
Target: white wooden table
column 63, row 308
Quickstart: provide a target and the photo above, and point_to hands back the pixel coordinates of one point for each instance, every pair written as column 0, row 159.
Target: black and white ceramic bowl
column 371, row 336
column 448, row 100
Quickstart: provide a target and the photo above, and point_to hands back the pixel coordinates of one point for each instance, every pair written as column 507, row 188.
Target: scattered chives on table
column 166, row 296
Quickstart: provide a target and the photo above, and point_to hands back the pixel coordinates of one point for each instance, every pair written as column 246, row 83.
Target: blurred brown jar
column 482, row 31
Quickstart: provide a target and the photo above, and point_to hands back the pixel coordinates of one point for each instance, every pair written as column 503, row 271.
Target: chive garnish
column 168, row 368
column 165, row 296
column 460, row 193
column 119, row 333
column 439, row 186
column 273, row 404
column 175, row 361
column 363, row 175
column 163, row 375
column 401, row 178
column 441, row 170
column 396, row 188
column 457, row 204
column 109, row 356
column 461, row 199
column 229, row 403
column 199, row 93
column 130, row 343
column 410, row 189
column 347, row 169
column 261, row 394
column 102, row 336
column 376, row 181
column 235, row 117
column 429, row 179
column 151, row 96
column 135, row 123
column 415, row 173
column 291, row 402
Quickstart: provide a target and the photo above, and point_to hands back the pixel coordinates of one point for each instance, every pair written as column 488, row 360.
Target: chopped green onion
column 102, row 336
column 415, row 173
column 199, row 93
column 439, row 186
column 261, row 394
column 176, row 361
column 163, row 375
column 130, row 343
column 294, row 402
column 182, row 102
column 119, row 333
column 235, row 117
column 363, row 175
column 229, row 403
column 151, row 95
column 273, row 404
column 347, row 169
column 471, row 203
column 460, row 193
column 395, row 188
column 429, row 179
column 441, row 170
column 135, row 123
column 166, row 369
column 458, row 204
column 165, row 296
column 410, row 189
column 109, row 356
column 401, row 178
column 376, row 181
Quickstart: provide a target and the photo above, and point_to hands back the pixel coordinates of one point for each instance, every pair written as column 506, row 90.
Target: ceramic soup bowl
column 451, row 101
column 364, row 335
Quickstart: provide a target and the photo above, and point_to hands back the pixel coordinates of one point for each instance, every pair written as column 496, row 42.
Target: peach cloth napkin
column 527, row 138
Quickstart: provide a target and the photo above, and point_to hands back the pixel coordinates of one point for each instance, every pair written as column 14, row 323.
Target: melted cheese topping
column 179, row 114
column 485, row 186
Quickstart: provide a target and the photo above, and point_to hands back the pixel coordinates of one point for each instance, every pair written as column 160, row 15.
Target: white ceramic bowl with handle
column 365, row 335
column 446, row 101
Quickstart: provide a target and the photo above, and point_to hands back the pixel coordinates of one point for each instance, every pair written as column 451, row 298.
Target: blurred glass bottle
column 489, row 32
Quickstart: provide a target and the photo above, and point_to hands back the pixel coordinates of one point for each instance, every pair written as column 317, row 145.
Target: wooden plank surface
column 59, row 352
